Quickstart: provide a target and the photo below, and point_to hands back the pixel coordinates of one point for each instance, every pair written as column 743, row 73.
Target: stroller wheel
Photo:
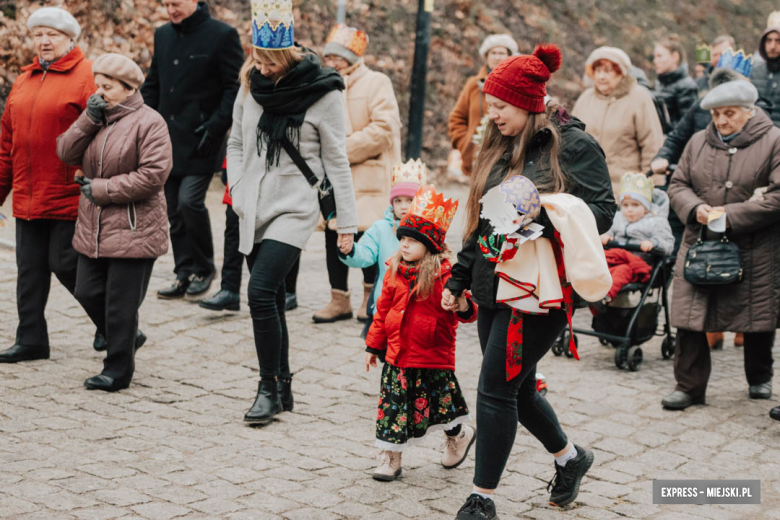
column 667, row 347
column 567, row 351
column 620, row 358
column 557, row 347
column 604, row 342
column 634, row 358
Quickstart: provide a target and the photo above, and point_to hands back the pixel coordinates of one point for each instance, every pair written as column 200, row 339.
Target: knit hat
column 738, row 93
column 347, row 42
column 638, row 187
column 521, row 80
column 498, row 40
column 273, row 24
column 428, row 219
column 120, row 68
column 56, row 18
column 407, row 178
column 613, row 54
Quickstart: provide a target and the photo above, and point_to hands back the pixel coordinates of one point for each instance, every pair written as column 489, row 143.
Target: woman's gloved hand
column 86, row 189
column 96, row 108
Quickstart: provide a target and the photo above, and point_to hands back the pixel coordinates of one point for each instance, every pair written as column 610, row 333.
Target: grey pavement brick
column 121, row 497
column 161, row 511
column 13, row 507
column 101, row 513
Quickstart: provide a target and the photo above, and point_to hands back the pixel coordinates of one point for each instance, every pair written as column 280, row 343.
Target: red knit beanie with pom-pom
column 520, row 80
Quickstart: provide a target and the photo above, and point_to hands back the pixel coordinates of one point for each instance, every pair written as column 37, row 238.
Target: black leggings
column 338, row 272
column 269, row 263
column 501, row 403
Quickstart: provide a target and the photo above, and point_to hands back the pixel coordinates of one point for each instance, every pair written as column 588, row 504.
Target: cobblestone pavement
column 174, row 445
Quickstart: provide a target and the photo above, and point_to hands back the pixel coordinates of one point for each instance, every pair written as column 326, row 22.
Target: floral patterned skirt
column 413, row 401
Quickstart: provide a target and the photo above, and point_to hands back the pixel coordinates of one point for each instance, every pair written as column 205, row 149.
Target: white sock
column 566, row 457
column 483, row 495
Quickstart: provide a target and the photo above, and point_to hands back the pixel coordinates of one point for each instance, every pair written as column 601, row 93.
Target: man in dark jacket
column 766, row 76
column 193, row 83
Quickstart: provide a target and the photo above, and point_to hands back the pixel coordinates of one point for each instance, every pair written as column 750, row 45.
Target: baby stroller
column 627, row 323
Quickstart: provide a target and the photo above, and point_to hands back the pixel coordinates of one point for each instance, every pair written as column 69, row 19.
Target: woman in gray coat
column 285, row 94
column 733, row 168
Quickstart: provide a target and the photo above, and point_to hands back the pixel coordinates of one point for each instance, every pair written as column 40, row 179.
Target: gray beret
column 55, row 18
column 738, row 93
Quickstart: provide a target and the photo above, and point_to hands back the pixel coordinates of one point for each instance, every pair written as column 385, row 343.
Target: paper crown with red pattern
column 347, row 42
column 428, row 218
column 407, row 178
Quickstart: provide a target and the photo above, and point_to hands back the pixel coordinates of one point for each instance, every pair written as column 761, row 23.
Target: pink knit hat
column 407, row 179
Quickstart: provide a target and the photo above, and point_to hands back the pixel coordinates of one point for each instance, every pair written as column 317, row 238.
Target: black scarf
column 285, row 103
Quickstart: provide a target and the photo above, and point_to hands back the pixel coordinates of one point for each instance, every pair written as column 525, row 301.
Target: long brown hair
column 288, row 58
column 428, row 270
column 494, row 145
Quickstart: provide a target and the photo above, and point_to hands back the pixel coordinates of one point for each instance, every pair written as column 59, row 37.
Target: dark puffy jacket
column 582, row 159
column 194, row 80
column 766, row 76
column 678, row 91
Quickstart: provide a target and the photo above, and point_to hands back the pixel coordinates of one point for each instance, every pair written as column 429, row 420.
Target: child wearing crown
column 419, row 391
column 379, row 242
column 642, row 221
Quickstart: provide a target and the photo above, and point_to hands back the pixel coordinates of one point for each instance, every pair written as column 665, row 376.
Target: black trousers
column 193, row 247
column 693, row 363
column 43, row 247
column 269, row 263
column 291, row 280
column 233, row 261
column 501, row 403
column 111, row 290
column 338, row 273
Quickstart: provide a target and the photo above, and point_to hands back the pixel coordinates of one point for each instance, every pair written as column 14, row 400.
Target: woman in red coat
column 45, row 100
column 419, row 390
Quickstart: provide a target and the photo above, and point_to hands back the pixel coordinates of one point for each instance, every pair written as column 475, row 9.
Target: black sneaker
column 200, row 284
column 477, row 508
column 224, row 300
column 175, row 291
column 290, row 302
column 774, row 413
column 565, row 485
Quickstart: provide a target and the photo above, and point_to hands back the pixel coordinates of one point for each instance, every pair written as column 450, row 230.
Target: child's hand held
column 646, row 246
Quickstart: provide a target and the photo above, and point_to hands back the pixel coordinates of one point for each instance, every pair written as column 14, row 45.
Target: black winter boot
column 285, row 393
column 267, row 403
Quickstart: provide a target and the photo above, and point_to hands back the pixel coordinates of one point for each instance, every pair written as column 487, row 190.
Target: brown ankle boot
column 362, row 314
column 339, row 308
column 739, row 340
column 715, row 340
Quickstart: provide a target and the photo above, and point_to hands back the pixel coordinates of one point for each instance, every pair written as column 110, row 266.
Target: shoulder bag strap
column 295, row 155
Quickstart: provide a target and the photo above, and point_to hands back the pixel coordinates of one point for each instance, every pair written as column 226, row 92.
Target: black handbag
column 324, row 189
column 713, row 262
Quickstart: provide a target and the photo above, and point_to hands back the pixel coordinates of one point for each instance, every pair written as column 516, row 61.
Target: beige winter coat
column 373, row 140
column 128, row 159
column 719, row 174
column 625, row 124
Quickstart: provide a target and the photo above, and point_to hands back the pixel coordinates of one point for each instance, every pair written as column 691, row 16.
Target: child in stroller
column 642, row 221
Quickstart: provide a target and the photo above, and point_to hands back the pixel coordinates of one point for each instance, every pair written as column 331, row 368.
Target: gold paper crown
column 636, row 183
column 431, row 206
column 414, row 172
column 350, row 38
column 773, row 20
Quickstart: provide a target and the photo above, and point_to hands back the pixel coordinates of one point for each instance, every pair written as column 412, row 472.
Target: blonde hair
column 494, row 145
column 428, row 270
column 288, row 58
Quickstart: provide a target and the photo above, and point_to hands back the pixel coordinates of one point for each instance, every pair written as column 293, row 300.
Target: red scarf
column 409, row 272
column 514, row 336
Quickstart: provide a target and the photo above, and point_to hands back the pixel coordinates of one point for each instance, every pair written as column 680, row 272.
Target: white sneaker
column 389, row 467
column 457, row 448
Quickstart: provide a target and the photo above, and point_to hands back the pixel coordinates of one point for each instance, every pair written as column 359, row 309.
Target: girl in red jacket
column 419, row 390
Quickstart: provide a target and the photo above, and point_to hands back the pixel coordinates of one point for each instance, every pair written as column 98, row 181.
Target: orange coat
column 41, row 106
column 466, row 116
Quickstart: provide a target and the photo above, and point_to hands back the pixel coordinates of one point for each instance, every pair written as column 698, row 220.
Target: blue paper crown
column 268, row 37
column 737, row 62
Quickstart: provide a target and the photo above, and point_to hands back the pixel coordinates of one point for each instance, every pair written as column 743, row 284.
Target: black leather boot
column 23, row 353
column 100, row 344
column 267, row 403
column 175, row 291
column 285, row 393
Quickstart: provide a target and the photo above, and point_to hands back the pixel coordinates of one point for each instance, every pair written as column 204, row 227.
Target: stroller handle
column 634, row 247
column 671, row 169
